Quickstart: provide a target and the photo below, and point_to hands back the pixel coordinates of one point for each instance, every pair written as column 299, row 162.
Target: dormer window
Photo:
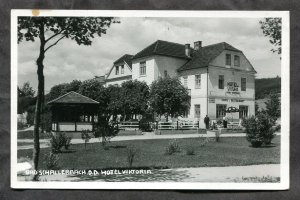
column 228, row 59
column 236, row 61
column 117, row 70
column 122, row 69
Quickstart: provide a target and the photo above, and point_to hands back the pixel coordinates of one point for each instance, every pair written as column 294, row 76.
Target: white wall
column 230, row 75
column 155, row 67
column 151, row 68
column 169, row 64
column 198, row 95
column 112, row 74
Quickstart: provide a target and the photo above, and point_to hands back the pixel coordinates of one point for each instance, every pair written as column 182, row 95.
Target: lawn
column 234, row 151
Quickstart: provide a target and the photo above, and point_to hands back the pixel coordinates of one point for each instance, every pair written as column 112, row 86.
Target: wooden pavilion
column 73, row 112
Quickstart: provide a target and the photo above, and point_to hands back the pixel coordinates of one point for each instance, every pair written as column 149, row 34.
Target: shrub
column 67, row 143
column 106, row 130
column 86, row 137
column 131, row 152
column 190, row 151
column 57, row 142
column 145, row 125
column 217, row 135
column 51, row 161
column 172, row 147
column 259, row 129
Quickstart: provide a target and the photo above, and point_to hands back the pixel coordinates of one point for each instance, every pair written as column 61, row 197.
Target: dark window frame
column 243, row 84
column 143, row 68
column 221, row 81
column 236, row 61
column 228, row 59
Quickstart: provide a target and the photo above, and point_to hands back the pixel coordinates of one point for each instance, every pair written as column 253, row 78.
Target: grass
column 235, row 151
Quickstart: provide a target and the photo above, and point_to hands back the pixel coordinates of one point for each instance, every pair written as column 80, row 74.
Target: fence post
column 198, row 123
column 177, row 124
column 157, row 125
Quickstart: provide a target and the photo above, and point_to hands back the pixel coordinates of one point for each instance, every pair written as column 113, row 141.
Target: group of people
column 207, row 120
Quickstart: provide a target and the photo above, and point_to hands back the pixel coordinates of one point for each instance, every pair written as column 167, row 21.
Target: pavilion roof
column 73, row 98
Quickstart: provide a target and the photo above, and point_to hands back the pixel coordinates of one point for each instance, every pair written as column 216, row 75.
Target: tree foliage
column 135, row 96
column 95, row 90
column 25, row 98
column 50, row 31
column 273, row 108
column 271, row 28
column 169, row 97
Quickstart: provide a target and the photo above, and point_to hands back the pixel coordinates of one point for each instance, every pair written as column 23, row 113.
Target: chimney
column 197, row 45
column 187, row 50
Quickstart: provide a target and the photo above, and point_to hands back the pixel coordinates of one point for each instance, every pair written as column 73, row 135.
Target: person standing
column 224, row 122
column 206, row 121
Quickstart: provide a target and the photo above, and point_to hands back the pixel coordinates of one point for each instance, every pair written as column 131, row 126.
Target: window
column 186, row 113
column 143, row 68
column 197, row 81
column 122, row 69
column 228, row 59
column 197, row 111
column 221, row 81
column 236, row 61
column 243, row 84
column 243, row 111
column 185, row 81
column 165, row 73
column 221, row 108
column 117, row 70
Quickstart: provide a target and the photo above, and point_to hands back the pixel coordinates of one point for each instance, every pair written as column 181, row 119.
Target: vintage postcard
column 150, row 99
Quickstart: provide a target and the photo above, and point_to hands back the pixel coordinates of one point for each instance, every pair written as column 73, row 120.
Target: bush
column 51, row 161
column 259, row 129
column 217, row 135
column 190, row 151
column 131, row 152
column 85, row 136
column 172, row 147
column 106, row 130
column 145, row 125
column 67, row 143
column 58, row 141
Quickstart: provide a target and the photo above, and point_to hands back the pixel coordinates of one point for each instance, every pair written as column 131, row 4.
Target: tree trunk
column 40, row 93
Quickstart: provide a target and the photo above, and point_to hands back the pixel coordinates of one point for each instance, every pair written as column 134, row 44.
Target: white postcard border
column 285, row 103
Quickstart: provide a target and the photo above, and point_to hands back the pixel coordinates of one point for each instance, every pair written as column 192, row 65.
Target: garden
column 161, row 153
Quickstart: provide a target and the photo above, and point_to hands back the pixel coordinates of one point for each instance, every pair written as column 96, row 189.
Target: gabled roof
column 164, row 48
column 73, row 98
column 206, row 54
column 125, row 58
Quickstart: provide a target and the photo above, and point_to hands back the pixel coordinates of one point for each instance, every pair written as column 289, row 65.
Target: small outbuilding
column 73, row 112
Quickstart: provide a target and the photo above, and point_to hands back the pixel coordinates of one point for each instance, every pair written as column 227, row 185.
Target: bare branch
column 54, row 35
column 55, row 43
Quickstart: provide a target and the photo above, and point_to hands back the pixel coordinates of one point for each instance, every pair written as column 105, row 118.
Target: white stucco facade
column 118, row 78
column 231, row 67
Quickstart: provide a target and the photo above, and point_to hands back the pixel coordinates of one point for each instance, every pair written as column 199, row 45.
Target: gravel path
column 44, row 143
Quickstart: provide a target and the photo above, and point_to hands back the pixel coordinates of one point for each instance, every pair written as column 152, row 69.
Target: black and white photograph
column 150, row 99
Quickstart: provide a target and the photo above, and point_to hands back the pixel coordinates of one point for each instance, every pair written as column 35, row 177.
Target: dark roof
column 164, row 48
column 127, row 58
column 73, row 98
column 206, row 54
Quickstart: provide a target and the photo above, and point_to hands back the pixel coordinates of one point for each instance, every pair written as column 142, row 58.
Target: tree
column 135, row 97
column 273, row 106
column 96, row 91
column 169, row 97
column 25, row 98
column 50, row 31
column 271, row 28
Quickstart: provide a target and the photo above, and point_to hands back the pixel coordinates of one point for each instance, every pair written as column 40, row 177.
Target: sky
column 68, row 61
